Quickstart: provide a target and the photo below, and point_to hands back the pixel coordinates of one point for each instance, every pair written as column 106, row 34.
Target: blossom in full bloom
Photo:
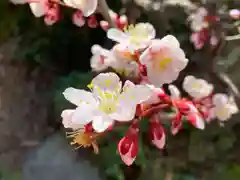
column 197, row 88
column 224, row 107
column 164, row 59
column 88, row 7
column 135, row 37
column 107, row 102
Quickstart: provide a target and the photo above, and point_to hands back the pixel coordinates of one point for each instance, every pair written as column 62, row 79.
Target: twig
column 230, row 38
column 104, row 10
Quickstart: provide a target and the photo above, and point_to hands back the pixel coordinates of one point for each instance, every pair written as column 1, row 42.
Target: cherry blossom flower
column 136, row 37
column 107, row 102
column 164, row 59
column 197, row 88
column 119, row 58
column 224, row 107
column 128, row 145
column 88, row 7
column 235, row 14
column 198, row 19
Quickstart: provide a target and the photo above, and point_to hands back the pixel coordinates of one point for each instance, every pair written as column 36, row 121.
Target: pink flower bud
column 78, row 19
column 104, row 25
column 156, row 132
column 235, row 14
column 128, row 146
column 92, row 21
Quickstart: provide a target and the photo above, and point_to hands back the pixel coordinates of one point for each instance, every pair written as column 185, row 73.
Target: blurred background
column 37, row 62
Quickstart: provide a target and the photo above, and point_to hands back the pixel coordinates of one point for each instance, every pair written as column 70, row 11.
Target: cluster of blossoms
column 201, row 33
column 147, row 63
column 50, row 10
column 151, row 63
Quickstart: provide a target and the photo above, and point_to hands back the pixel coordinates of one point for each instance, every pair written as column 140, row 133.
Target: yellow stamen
column 83, row 139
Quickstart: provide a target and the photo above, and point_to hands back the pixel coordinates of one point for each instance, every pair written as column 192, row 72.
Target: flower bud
column 157, row 133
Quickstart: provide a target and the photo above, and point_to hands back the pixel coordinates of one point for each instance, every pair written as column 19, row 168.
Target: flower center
column 161, row 64
column 108, row 102
column 196, row 86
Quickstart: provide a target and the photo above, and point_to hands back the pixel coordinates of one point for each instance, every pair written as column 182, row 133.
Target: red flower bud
column 157, row 133
column 128, row 146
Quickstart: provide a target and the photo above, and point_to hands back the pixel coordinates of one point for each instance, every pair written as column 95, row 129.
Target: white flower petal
column 117, row 35
column 77, row 96
column 106, row 82
column 220, row 99
column 148, row 28
column 101, row 122
column 171, row 41
column 175, row 93
column 37, row 9
column 135, row 95
column 67, row 119
column 83, row 114
column 90, row 7
column 124, row 112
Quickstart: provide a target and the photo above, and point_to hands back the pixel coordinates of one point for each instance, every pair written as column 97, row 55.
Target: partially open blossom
column 198, row 19
column 186, row 108
column 156, row 132
column 128, row 145
column 135, row 37
column 119, row 58
column 197, row 88
column 224, row 107
column 164, row 59
column 176, row 123
column 107, row 102
column 88, row 7
column 235, row 14
column 101, row 58
column 78, row 19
